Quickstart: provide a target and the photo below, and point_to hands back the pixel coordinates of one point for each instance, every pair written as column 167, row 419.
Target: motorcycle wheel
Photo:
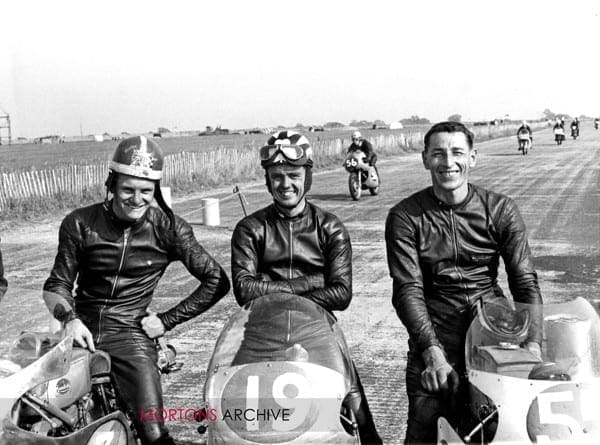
column 354, row 185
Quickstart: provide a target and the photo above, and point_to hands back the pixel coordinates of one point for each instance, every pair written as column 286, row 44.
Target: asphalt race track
column 556, row 188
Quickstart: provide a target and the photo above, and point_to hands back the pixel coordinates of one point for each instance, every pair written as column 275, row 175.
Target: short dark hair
column 449, row 127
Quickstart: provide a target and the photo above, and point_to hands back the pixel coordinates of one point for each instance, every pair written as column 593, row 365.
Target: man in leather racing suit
column 359, row 143
column 295, row 247
column 575, row 127
column 525, row 131
column 443, row 248
column 115, row 252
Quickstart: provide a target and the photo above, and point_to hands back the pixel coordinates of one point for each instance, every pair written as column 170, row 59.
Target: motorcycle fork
column 102, row 392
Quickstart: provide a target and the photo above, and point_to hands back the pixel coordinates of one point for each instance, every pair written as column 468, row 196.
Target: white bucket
column 210, row 212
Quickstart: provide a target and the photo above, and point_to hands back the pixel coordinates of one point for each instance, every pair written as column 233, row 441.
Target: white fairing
column 544, row 399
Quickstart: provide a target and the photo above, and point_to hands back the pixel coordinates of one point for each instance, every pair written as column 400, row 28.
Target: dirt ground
column 556, row 188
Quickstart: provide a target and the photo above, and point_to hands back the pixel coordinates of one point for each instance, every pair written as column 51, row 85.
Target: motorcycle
column 362, row 175
column 279, row 373
column 574, row 131
column 517, row 396
column 559, row 135
column 524, row 139
column 57, row 393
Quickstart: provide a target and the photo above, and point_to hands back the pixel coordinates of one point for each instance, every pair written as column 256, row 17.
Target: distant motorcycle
column 559, row 134
column 524, row 139
column 574, row 131
column 516, row 396
column 362, row 175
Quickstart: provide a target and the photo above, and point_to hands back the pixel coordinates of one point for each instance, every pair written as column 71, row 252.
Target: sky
column 73, row 67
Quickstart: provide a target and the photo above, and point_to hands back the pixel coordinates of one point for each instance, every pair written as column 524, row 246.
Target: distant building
column 51, row 139
column 210, row 131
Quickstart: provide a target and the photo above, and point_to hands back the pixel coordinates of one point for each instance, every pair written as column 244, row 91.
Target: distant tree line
column 415, row 120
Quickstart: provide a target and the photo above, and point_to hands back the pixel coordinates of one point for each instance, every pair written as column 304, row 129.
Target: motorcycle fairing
column 532, row 409
column 277, row 343
column 118, row 433
column 274, row 328
column 355, row 161
column 301, row 400
column 446, row 431
column 53, row 364
column 544, row 398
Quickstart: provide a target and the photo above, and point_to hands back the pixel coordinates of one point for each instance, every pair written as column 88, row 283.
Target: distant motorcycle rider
column 525, row 129
column 295, row 247
column 359, row 143
column 115, row 252
column 596, row 123
column 525, row 132
column 575, row 128
column 559, row 131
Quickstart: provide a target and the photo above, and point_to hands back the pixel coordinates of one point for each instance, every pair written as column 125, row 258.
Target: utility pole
column 5, row 125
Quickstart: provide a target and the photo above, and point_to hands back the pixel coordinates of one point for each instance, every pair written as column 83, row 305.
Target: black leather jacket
column 117, row 266
column 308, row 255
column 366, row 148
column 442, row 259
column 525, row 129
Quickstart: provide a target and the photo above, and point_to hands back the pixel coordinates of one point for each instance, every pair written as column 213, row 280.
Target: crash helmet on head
column 286, row 147
column 138, row 156
column 356, row 135
column 142, row 158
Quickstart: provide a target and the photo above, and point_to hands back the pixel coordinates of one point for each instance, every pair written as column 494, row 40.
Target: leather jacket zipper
column 289, row 313
column 114, row 285
column 455, row 242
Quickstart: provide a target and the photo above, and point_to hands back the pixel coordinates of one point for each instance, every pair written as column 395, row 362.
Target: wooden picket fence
column 211, row 167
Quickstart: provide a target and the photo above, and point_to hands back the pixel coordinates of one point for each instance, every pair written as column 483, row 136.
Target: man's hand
column 438, row 374
column 80, row 333
column 152, row 325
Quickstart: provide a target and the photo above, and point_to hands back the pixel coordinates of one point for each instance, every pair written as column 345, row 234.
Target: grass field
column 22, row 157
column 37, row 179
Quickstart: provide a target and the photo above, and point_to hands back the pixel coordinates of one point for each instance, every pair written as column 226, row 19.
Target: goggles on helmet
column 290, row 152
column 286, row 147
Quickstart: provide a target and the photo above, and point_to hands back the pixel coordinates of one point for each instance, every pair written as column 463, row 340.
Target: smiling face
column 287, row 187
column 132, row 197
column 448, row 157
